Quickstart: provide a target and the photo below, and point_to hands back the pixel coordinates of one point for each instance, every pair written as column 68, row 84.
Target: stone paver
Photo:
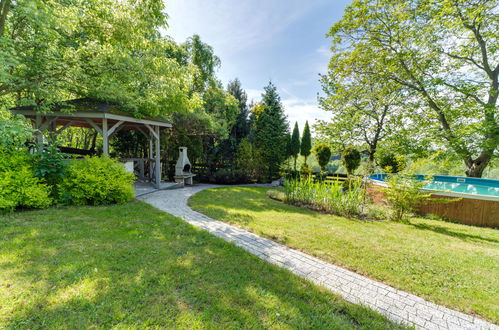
column 398, row 305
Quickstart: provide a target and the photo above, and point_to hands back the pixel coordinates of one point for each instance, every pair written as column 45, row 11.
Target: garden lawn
column 450, row 264
column 132, row 266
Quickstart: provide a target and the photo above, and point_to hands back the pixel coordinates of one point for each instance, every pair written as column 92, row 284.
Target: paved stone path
column 398, row 305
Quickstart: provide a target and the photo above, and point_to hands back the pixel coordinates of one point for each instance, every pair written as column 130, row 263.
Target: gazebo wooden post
column 38, row 133
column 151, row 156
column 158, row 159
column 105, row 138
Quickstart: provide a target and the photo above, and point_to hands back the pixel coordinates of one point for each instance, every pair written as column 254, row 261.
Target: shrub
column 404, row 194
column 49, row 166
column 390, row 162
column 248, row 160
column 14, row 134
column 305, row 170
column 350, row 158
column 96, row 181
column 230, row 177
column 323, row 154
column 18, row 185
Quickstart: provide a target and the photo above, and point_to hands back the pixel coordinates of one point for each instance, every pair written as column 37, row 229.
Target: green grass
column 450, row 264
column 132, row 266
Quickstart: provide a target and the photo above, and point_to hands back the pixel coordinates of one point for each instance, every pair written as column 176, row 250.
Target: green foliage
column 350, row 158
column 424, row 48
column 230, row 177
column 222, row 109
column 295, row 143
column 323, row 155
column 306, row 142
column 18, row 185
column 14, row 133
column 326, row 197
column 404, row 194
column 205, row 60
column 269, row 129
column 305, row 170
column 390, row 162
column 49, row 166
column 248, row 160
column 241, row 128
column 96, row 181
column 109, row 50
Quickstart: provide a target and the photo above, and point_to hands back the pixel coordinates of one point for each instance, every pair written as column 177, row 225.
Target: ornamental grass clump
column 326, row 197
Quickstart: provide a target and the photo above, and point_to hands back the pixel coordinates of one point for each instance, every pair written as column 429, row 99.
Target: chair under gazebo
column 107, row 119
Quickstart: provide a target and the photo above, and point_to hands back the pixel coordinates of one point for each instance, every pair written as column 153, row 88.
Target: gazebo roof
column 79, row 112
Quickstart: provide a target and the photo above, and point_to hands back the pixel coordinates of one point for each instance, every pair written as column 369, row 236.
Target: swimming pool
column 476, row 200
column 458, row 186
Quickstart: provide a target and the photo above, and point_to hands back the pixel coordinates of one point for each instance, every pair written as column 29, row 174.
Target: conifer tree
column 269, row 129
column 295, row 143
column 306, row 142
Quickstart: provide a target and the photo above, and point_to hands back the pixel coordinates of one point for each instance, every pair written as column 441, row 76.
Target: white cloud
column 300, row 111
column 254, row 94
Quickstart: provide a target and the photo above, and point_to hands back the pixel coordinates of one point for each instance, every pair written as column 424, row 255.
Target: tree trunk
column 477, row 166
column 4, row 11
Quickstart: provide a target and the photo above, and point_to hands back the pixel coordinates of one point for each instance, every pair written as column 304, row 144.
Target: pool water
column 462, row 185
column 463, row 188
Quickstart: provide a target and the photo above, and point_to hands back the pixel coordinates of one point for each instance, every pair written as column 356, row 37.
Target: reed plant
column 331, row 197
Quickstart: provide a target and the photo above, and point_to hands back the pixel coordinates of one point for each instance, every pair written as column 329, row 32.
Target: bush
column 230, row 177
column 323, row 154
column 404, row 194
column 249, row 161
column 49, row 166
column 15, row 133
column 390, row 162
column 96, row 181
column 350, row 158
column 18, row 185
column 305, row 170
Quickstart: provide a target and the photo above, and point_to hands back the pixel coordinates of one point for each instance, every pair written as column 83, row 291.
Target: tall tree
column 288, row 148
column 204, row 58
column 269, row 129
column 443, row 54
column 55, row 50
column 295, row 143
column 241, row 128
column 364, row 111
column 306, row 142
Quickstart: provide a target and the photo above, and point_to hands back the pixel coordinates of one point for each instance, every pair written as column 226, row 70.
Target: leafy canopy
column 444, row 54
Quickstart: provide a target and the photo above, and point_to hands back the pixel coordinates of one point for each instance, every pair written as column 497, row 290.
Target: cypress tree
column 288, row 148
column 306, row 142
column 295, row 143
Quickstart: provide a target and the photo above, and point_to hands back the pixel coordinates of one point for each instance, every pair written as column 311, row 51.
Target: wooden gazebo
column 106, row 118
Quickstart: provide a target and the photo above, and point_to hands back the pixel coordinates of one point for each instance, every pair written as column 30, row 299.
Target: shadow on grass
column 446, row 231
column 134, row 266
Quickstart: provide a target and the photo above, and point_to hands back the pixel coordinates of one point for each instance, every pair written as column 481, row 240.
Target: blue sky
column 261, row 40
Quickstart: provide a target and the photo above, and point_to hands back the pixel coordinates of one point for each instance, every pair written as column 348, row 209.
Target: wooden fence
column 468, row 211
